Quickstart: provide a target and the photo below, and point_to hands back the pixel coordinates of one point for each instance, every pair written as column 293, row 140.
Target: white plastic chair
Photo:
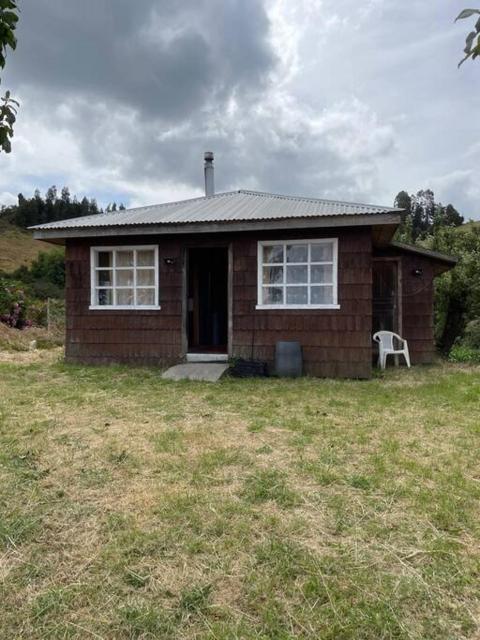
column 386, row 347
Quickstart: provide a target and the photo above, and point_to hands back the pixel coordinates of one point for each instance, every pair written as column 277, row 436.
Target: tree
column 457, row 292
column 472, row 41
column 405, row 232
column 37, row 210
column 8, row 106
column 422, row 215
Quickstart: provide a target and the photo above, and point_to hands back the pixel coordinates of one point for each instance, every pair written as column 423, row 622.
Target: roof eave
column 356, row 220
column 427, row 253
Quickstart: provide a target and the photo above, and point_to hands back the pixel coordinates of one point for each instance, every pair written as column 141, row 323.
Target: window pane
column 146, row 258
column 272, row 295
column 322, row 273
column 297, row 253
column 104, row 297
column 297, row 295
column 104, row 278
column 104, row 259
column 297, row 275
column 125, row 297
column 272, row 275
column 322, row 252
column 321, row 295
column 146, row 277
column 273, row 253
column 124, row 259
column 125, row 278
column 145, row 296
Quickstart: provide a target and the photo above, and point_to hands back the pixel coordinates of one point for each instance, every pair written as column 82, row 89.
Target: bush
column 463, row 353
column 13, row 305
column 471, row 336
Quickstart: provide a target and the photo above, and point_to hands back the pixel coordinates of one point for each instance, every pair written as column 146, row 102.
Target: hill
column 17, row 247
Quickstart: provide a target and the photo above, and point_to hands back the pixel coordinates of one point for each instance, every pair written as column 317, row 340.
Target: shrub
column 463, row 353
column 12, row 305
column 472, row 334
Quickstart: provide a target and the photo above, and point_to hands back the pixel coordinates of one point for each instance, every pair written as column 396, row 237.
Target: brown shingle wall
column 417, row 307
column 335, row 342
column 152, row 337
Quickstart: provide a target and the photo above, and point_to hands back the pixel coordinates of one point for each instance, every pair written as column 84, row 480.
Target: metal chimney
column 209, row 174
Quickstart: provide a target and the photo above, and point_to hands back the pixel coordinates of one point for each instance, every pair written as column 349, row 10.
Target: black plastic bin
column 288, row 359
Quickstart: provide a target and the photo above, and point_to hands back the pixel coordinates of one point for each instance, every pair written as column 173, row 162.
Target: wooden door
column 385, row 296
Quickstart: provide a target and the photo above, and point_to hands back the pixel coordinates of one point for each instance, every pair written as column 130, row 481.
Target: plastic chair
column 386, row 347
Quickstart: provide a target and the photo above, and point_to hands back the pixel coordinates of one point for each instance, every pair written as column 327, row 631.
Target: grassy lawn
column 131, row 507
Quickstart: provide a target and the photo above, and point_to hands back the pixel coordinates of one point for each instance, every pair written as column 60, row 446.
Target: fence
column 55, row 314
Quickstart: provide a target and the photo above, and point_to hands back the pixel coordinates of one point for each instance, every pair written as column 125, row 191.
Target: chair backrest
column 385, row 338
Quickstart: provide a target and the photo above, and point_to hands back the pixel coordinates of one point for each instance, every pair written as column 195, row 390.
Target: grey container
column 288, row 359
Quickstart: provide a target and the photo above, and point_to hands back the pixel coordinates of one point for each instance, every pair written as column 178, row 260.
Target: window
column 124, row 277
column 297, row 274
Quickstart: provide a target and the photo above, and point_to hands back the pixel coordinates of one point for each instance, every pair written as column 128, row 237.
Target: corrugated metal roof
column 422, row 251
column 233, row 206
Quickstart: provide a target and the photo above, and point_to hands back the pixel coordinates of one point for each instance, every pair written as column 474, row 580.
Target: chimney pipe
column 209, row 171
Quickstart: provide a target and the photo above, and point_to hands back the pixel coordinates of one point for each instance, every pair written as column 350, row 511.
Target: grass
column 15, row 340
column 132, row 507
column 17, row 247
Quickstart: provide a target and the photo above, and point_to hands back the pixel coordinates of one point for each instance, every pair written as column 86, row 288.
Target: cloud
column 314, row 97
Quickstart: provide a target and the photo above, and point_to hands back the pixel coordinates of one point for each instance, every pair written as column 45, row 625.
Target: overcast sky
column 343, row 99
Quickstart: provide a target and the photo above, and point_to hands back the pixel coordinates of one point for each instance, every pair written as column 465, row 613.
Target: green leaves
column 467, row 13
column 472, row 48
column 8, row 106
column 8, row 116
column 8, row 23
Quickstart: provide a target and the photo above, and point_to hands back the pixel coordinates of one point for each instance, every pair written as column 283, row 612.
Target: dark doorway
column 385, row 296
column 207, row 323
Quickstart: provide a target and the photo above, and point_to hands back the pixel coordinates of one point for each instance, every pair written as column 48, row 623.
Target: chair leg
column 407, row 357
column 384, row 361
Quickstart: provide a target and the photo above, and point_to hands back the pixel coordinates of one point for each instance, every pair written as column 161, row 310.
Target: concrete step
column 207, row 357
column 207, row 371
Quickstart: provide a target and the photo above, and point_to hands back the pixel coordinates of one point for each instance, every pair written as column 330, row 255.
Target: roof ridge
column 283, row 196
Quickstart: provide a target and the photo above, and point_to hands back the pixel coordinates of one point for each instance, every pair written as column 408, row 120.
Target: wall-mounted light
column 418, row 273
column 169, row 261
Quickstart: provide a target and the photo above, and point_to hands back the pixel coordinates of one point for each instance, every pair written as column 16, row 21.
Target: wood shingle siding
column 335, row 342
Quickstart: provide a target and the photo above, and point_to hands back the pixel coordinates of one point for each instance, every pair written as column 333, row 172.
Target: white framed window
column 298, row 274
column 124, row 277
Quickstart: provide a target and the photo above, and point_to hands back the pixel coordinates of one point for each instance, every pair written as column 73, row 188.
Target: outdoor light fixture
column 418, row 273
column 169, row 261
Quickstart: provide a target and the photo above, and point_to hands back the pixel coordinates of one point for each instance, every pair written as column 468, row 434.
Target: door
column 385, row 296
column 207, row 300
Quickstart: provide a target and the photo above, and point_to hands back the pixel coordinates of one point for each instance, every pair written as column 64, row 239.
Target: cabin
column 228, row 275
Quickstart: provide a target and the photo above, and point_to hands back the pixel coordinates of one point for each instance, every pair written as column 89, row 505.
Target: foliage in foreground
column 132, row 507
column 472, row 47
column 8, row 106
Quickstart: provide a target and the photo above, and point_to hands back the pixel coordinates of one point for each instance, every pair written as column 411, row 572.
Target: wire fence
column 55, row 314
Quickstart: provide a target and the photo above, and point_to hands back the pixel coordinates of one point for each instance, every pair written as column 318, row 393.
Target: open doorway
column 207, row 295
column 385, row 312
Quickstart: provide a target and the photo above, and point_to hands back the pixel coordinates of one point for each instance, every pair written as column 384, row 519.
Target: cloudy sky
column 340, row 99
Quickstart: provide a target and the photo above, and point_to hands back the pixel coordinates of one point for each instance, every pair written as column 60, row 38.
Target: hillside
column 17, row 247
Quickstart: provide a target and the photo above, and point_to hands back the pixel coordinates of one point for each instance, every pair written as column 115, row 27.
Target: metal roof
column 233, row 206
column 422, row 251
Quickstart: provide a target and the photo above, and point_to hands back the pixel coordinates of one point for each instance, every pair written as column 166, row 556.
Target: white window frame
column 93, row 284
column 261, row 264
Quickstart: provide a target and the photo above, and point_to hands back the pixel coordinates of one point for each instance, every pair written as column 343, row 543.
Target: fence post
column 48, row 315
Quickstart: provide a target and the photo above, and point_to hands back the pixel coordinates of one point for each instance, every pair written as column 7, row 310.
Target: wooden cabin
column 229, row 275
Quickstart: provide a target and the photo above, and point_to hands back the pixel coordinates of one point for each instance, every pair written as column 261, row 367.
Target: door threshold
column 207, row 357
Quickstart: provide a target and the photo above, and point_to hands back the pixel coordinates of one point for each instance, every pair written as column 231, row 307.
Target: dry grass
column 13, row 341
column 18, row 248
column 132, row 507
